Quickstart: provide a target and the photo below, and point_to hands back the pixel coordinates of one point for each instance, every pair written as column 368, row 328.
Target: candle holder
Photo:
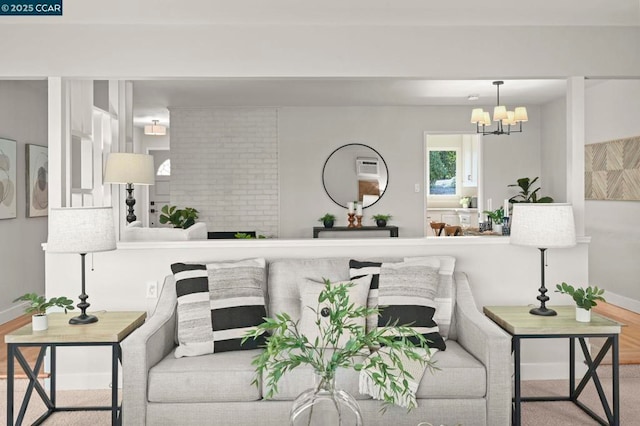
column 351, row 219
column 359, row 218
column 506, row 228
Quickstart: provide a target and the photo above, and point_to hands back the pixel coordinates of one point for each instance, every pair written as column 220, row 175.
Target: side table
column 110, row 330
column 517, row 321
column 393, row 230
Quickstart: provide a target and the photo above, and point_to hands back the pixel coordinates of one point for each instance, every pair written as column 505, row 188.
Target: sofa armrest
column 490, row 345
column 143, row 349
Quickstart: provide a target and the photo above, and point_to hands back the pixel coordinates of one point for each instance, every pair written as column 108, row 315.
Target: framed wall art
column 8, row 166
column 37, row 180
column 612, row 170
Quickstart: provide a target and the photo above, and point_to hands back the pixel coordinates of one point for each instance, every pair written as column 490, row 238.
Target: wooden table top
column 517, row 320
column 111, row 327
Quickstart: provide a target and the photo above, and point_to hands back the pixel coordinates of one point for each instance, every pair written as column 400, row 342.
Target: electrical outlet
column 416, row 188
column 152, row 290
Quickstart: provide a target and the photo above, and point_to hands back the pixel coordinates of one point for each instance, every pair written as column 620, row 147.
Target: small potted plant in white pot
column 464, row 202
column 327, row 220
column 38, row 306
column 381, row 219
column 585, row 299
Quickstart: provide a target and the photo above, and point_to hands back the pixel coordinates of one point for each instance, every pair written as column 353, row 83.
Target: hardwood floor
column 30, row 353
column 630, row 335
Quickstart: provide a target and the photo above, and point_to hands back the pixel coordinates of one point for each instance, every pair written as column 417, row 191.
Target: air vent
column 367, row 167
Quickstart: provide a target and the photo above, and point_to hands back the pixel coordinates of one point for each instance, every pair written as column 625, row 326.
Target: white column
column 575, row 149
column 55, row 125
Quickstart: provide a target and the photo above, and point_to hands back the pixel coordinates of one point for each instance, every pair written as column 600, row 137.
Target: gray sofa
column 471, row 387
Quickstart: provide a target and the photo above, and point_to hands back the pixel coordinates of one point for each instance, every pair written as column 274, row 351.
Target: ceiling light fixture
column 155, row 129
column 473, row 97
column 505, row 118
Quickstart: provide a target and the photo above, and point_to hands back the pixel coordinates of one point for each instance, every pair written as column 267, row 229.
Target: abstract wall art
column 612, row 170
column 37, row 180
column 8, row 165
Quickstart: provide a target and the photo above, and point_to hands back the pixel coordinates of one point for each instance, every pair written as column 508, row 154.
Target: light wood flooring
column 629, row 338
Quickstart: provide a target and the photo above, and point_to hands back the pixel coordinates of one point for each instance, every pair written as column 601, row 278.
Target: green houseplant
column 287, row 348
column 38, row 306
column 327, row 220
column 585, row 299
column 496, row 216
column 179, row 218
column 381, row 219
column 527, row 194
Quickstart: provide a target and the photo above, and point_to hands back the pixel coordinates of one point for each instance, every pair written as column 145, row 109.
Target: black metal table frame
column 14, row 353
column 612, row 342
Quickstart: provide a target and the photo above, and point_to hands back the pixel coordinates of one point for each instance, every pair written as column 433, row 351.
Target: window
column 442, row 166
column 164, row 169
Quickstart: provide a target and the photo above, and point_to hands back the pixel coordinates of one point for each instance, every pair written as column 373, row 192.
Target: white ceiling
column 152, row 98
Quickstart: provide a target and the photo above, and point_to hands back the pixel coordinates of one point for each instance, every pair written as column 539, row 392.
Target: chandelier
column 506, row 119
column 155, row 129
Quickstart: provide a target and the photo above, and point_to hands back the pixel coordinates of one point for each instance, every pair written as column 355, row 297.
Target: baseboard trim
column 623, row 301
column 12, row 312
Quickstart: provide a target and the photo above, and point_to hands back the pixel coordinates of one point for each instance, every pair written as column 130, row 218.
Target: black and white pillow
column 358, row 269
column 217, row 304
column 406, row 297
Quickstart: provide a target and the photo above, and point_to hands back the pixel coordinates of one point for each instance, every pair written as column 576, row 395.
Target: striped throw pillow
column 406, row 296
column 217, row 304
column 359, row 269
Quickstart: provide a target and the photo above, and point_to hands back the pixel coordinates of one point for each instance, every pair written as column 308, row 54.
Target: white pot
column 583, row 315
column 39, row 322
column 497, row 229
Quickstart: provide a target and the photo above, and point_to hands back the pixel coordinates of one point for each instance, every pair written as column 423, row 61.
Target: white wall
column 224, row 163
column 612, row 111
column 307, row 136
column 23, row 118
column 554, row 150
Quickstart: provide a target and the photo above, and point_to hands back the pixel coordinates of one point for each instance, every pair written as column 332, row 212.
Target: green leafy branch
column 38, row 305
column 585, row 298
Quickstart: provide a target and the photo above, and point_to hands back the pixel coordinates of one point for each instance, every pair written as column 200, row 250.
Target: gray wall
column 307, row 136
column 554, row 150
column 612, row 111
column 23, row 118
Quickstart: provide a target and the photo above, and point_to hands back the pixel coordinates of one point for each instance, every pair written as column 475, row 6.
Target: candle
column 350, row 205
column 506, row 208
column 359, row 209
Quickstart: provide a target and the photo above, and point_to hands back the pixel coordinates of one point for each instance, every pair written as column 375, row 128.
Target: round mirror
column 355, row 172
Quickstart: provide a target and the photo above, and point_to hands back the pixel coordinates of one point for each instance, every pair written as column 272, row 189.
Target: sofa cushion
column 217, row 304
column 301, row 378
column 358, row 269
column 312, row 309
column 220, row 377
column 460, row 375
column 405, row 296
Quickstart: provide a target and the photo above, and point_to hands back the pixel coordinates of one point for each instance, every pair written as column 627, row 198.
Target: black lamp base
column 83, row 319
column 543, row 311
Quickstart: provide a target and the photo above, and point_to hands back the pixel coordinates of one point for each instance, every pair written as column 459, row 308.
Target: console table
column 110, row 330
column 517, row 321
column 393, row 230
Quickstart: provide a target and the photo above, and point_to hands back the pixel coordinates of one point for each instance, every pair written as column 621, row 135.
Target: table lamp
column 128, row 168
column 81, row 230
column 543, row 225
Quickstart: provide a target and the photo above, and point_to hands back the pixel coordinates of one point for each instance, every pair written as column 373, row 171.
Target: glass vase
column 325, row 405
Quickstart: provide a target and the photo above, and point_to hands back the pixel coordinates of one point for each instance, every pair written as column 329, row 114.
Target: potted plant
column 497, row 217
column 526, row 194
column 287, row 348
column 179, row 218
column 38, row 306
column 464, row 202
column 327, row 220
column 381, row 219
column 585, row 299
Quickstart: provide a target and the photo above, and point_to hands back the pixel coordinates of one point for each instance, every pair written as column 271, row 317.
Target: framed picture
column 37, row 180
column 8, row 166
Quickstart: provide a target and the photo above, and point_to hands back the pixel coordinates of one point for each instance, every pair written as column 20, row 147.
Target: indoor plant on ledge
column 38, row 306
column 179, row 218
column 381, row 219
column 328, row 220
column 585, row 299
column 287, row 348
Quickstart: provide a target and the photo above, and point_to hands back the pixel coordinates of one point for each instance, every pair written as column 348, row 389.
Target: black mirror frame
column 344, row 146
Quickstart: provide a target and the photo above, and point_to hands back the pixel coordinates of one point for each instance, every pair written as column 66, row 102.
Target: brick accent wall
column 224, row 162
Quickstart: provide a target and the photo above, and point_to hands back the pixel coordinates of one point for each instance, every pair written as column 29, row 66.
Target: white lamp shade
column 521, row 114
column 155, row 129
column 477, row 115
column 81, row 230
column 543, row 225
column 124, row 167
column 510, row 119
column 499, row 113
